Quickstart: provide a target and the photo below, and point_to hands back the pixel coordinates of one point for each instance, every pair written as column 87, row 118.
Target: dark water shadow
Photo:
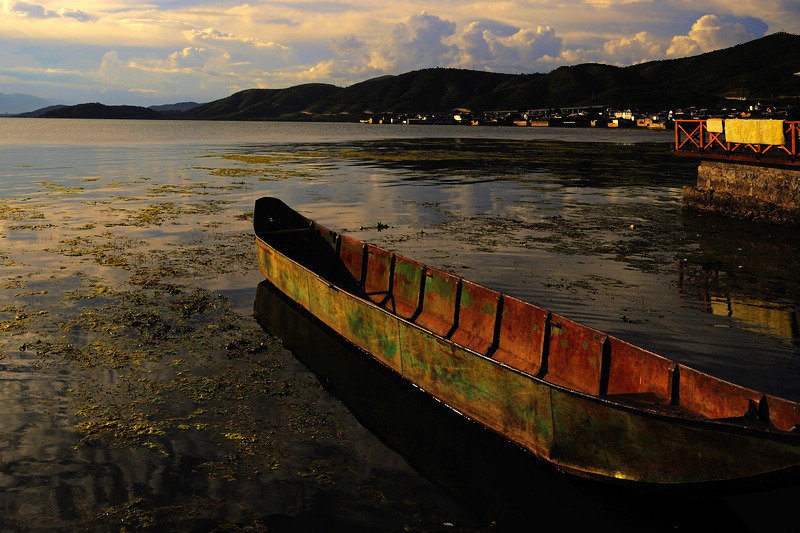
column 505, row 486
column 587, row 164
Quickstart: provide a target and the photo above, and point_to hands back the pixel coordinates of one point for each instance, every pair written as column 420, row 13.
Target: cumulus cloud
column 707, row 34
column 532, row 45
column 631, row 50
column 111, row 67
column 336, row 71
column 417, row 43
column 425, row 40
column 189, row 57
column 521, row 49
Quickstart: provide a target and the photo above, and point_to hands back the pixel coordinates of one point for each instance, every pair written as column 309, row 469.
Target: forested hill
column 96, row 110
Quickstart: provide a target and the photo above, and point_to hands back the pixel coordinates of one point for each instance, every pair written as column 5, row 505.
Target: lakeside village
column 585, row 116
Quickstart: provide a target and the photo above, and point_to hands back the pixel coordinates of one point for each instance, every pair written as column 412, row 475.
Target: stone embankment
column 752, row 191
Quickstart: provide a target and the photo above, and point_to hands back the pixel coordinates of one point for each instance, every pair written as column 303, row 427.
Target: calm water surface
column 127, row 247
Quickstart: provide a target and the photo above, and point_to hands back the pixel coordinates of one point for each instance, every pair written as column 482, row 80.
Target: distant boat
column 589, row 403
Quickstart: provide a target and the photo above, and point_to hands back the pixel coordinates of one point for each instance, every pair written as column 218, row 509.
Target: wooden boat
column 589, row 403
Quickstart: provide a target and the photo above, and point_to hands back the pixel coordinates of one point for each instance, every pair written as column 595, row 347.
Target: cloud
column 189, row 57
column 533, row 45
column 476, row 51
column 416, row 43
column 217, row 36
column 631, row 50
column 351, row 46
column 340, row 72
column 37, row 11
column 424, row 41
column 516, row 50
column 707, row 34
column 27, row 9
column 77, row 14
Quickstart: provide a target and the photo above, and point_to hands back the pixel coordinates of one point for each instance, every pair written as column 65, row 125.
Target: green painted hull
column 625, row 430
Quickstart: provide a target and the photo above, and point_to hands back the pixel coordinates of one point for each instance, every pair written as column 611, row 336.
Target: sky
column 134, row 52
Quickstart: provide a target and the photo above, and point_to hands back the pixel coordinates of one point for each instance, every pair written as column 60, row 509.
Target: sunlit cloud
column 415, row 43
column 707, row 34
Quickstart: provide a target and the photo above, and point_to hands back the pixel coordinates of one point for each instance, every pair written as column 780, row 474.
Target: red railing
column 693, row 138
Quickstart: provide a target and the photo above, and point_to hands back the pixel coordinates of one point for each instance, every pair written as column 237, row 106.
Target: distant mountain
column 13, row 104
column 761, row 69
column 40, row 112
column 264, row 104
column 103, row 111
column 180, row 107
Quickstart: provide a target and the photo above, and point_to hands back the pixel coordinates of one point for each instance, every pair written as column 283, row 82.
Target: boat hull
column 585, row 434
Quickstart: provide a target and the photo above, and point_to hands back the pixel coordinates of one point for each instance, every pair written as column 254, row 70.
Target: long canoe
column 587, row 402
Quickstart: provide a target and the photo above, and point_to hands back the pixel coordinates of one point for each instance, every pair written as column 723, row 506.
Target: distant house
column 624, row 115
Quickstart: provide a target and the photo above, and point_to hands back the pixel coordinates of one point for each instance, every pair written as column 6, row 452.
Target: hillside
column 263, row 104
column 103, row 111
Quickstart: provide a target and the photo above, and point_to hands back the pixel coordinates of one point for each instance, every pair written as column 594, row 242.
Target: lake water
column 138, row 387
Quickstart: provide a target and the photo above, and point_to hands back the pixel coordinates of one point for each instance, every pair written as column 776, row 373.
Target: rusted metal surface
column 585, row 401
column 477, row 316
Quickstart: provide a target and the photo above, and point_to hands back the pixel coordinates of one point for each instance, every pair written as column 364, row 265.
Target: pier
column 749, row 168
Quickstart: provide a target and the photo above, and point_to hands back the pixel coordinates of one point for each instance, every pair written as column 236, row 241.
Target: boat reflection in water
column 493, row 478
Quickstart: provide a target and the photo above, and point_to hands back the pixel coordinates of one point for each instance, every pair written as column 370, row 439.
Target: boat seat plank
column 574, row 355
column 477, row 317
column 783, row 414
column 406, row 287
column 711, row 397
column 633, row 370
column 438, row 301
column 351, row 262
column 378, row 274
column 520, row 339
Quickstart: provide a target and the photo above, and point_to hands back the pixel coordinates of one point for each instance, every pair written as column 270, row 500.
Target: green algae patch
column 106, row 249
column 196, row 303
column 18, row 211
column 237, row 172
column 61, row 189
column 251, row 159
